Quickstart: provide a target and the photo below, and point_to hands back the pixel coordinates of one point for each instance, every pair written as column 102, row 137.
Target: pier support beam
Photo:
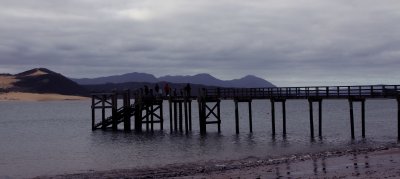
column 237, row 116
column 351, row 101
column 175, row 116
column 180, row 113
column 351, row 119
column 127, row 110
column 114, row 101
column 93, row 113
column 283, row 101
column 202, row 116
column 237, row 101
column 180, row 117
column 188, row 114
column 138, row 114
column 103, row 112
column 273, row 116
column 398, row 118
column 206, row 111
column 310, row 102
column 250, row 118
column 170, row 115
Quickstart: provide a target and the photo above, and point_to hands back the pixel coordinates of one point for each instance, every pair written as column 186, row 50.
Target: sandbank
column 20, row 96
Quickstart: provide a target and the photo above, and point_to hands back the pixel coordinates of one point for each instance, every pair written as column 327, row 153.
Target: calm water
column 45, row 138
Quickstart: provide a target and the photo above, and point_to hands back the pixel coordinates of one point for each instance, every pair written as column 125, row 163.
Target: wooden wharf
column 148, row 109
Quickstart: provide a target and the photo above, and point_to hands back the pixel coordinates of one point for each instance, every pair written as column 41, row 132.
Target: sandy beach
column 380, row 162
column 20, row 96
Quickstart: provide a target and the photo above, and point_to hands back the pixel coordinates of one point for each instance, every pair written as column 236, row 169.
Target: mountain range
column 42, row 80
column 248, row 81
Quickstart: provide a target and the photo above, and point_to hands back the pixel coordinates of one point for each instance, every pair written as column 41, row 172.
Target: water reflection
column 59, row 138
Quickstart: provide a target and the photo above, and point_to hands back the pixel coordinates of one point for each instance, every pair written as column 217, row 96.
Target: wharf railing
column 325, row 92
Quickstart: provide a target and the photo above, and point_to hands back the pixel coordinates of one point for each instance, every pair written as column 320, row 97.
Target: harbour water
column 48, row 138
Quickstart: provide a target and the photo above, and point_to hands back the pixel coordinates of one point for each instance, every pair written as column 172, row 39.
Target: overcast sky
column 287, row 42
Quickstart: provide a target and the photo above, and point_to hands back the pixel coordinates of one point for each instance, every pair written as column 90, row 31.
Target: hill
column 41, row 80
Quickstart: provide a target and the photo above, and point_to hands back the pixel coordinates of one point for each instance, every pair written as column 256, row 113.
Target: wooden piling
column 138, row 113
column 284, row 116
column 180, row 117
column 219, row 115
column 273, row 116
column 103, row 112
column 186, row 115
column 190, row 115
column 250, row 118
column 202, row 116
column 147, row 116
column 93, row 113
column 320, row 117
column 114, row 102
column 237, row 116
column 398, row 117
column 175, row 116
column 310, row 103
column 151, row 117
column 351, row 118
column 127, row 111
column 170, row 115
column 363, row 118
column 161, row 116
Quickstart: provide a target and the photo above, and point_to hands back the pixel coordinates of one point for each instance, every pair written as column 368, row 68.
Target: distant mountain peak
column 35, row 72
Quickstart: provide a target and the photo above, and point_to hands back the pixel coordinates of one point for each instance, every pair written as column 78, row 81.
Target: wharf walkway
column 147, row 109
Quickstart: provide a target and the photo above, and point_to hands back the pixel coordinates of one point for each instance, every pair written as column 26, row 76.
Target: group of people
column 186, row 91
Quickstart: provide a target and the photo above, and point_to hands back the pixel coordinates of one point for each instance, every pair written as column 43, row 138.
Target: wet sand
column 19, row 96
column 381, row 162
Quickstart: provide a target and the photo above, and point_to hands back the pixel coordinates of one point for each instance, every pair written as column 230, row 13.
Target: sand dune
column 7, row 81
column 19, row 96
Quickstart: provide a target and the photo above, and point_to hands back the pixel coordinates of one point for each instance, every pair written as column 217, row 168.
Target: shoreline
column 363, row 162
column 22, row 96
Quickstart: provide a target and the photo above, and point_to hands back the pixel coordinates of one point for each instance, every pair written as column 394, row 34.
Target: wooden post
column 398, row 117
column 180, row 117
column 320, row 117
column 190, row 115
column 250, row 117
column 351, row 118
column 237, row 116
column 202, row 116
column 175, row 116
column 147, row 117
column 219, row 115
column 161, row 116
column 311, row 118
column 152, row 116
column 170, row 115
column 273, row 116
column 186, row 115
column 363, row 117
column 127, row 111
column 138, row 113
column 103, row 112
column 93, row 113
column 114, row 102
column 284, row 116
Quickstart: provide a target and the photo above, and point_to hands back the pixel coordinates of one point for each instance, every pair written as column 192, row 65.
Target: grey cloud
column 304, row 42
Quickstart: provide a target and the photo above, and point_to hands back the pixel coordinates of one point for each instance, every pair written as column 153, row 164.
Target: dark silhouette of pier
column 147, row 109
